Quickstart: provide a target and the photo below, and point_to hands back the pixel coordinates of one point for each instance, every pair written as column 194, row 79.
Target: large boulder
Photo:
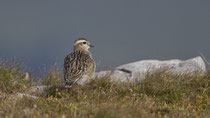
column 138, row 70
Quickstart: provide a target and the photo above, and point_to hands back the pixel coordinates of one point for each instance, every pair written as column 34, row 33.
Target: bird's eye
column 84, row 42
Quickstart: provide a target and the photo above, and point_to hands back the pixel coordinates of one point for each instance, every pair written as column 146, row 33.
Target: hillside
column 160, row 94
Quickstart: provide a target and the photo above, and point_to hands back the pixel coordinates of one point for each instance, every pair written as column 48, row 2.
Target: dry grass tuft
column 53, row 76
column 12, row 78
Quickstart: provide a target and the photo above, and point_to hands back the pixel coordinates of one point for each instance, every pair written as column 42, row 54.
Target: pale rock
column 138, row 70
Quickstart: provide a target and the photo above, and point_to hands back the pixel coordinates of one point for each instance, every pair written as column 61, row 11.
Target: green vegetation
column 159, row 95
column 12, row 78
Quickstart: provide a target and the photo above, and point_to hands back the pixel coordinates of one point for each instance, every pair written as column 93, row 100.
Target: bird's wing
column 75, row 66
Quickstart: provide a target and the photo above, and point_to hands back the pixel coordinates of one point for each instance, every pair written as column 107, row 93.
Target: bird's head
column 82, row 44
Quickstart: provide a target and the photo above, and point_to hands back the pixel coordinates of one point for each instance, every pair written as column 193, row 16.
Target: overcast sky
column 41, row 32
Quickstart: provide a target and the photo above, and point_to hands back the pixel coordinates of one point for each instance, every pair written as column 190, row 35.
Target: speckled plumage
column 79, row 65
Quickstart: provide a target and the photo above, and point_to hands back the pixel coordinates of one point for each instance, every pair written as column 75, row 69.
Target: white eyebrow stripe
column 80, row 41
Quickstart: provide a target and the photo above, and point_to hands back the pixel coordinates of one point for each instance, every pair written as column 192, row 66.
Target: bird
column 79, row 65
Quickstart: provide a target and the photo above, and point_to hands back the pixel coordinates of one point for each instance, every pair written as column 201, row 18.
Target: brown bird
column 79, row 66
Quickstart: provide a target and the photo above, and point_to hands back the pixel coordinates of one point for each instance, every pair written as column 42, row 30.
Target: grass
column 161, row 94
column 12, row 78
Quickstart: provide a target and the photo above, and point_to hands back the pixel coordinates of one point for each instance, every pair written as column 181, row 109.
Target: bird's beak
column 91, row 46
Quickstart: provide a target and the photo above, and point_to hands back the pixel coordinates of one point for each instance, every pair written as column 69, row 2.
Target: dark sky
column 41, row 32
